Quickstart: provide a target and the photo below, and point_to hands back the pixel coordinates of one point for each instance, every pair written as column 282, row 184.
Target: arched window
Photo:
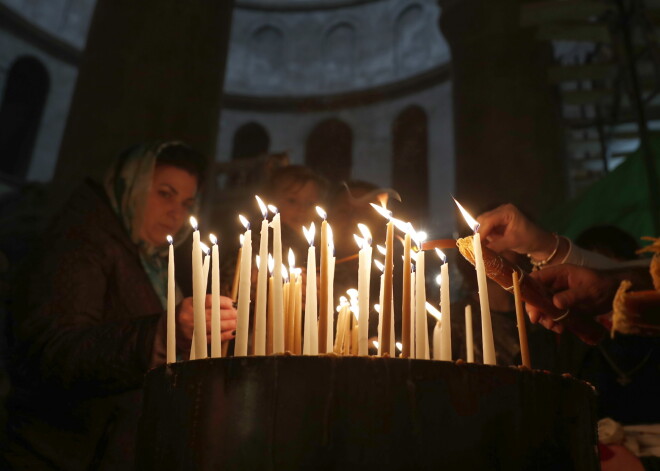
column 410, row 161
column 411, row 39
column 329, row 150
column 20, row 114
column 250, row 140
column 267, row 58
column 339, row 54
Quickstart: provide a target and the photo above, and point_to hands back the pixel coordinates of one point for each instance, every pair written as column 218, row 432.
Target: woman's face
column 170, row 199
column 297, row 205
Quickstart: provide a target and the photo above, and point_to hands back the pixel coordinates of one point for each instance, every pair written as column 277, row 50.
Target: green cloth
column 621, row 198
column 127, row 184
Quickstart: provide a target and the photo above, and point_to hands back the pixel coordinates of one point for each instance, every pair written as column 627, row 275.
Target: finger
column 226, row 303
column 228, row 335
column 533, row 313
column 228, row 325
column 492, row 222
column 567, row 298
column 554, row 277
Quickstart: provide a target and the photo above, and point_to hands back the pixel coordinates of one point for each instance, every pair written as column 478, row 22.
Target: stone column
column 152, row 69
column 507, row 122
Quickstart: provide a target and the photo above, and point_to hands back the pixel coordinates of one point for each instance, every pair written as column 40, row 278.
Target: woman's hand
column 185, row 321
column 506, row 228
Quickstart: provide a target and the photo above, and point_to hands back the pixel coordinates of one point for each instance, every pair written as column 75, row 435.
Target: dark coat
column 85, row 318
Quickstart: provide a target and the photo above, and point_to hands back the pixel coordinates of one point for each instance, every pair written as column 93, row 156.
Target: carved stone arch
column 250, row 140
column 339, row 53
column 410, row 169
column 21, row 109
column 267, row 48
column 411, row 38
column 329, row 149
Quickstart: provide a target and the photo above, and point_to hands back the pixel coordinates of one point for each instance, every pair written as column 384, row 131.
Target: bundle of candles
column 279, row 324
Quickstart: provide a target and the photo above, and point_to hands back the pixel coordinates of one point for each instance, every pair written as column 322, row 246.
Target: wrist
column 550, row 246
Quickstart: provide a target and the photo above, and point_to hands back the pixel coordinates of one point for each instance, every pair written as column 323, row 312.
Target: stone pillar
column 152, row 69
column 507, row 121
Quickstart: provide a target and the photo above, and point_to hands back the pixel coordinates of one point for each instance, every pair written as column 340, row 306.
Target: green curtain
column 621, row 198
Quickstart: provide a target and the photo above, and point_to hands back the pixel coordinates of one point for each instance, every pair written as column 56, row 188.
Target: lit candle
column 297, row 315
column 437, row 331
column 290, row 332
column 364, row 275
column 262, row 285
column 237, row 270
column 379, row 310
column 520, row 317
column 331, row 288
column 323, row 294
column 389, row 268
column 199, row 311
column 216, row 343
column 469, row 335
column 445, row 306
column 486, row 326
column 286, row 294
column 243, row 321
column 407, row 297
column 421, row 325
column 269, row 318
column 278, row 298
column 310, row 339
column 413, row 309
column 351, row 323
column 205, row 266
column 171, row 305
column 341, row 328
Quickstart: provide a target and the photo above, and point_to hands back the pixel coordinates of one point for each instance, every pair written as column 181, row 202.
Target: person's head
column 296, row 190
column 154, row 187
column 609, row 241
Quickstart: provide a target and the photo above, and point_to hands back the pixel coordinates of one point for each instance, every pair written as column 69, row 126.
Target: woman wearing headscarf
column 89, row 316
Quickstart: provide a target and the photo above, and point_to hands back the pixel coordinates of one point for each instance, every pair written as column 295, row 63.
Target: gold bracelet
column 538, row 265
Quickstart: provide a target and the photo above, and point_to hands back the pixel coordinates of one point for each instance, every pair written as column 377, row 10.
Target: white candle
column 216, row 341
column 445, row 306
column 310, row 338
column 469, row 336
column 171, row 305
column 486, row 327
column 364, row 275
column 243, row 321
column 278, row 297
column 199, row 311
column 437, row 341
column 421, row 325
column 379, row 310
column 331, row 286
column 413, row 309
column 324, row 313
column 262, row 285
column 205, row 266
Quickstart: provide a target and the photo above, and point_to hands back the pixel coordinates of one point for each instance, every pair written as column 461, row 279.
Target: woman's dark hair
column 182, row 156
column 294, row 177
column 609, row 241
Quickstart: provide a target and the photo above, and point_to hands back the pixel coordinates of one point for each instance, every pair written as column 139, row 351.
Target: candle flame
column 342, row 300
column 433, row 311
column 386, row 213
column 244, row 221
column 213, row 239
column 205, row 248
column 331, row 238
column 257, row 260
column 292, row 258
column 298, row 272
column 271, row 263
column 441, row 254
column 377, row 308
column 322, row 213
column 356, row 311
column 310, row 233
column 285, row 273
column 404, row 227
column 474, row 225
column 170, row 240
column 352, row 293
column 193, row 223
column 262, row 206
column 273, row 209
column 366, row 233
column 381, row 249
column 241, row 239
column 438, row 280
column 380, row 266
column 359, row 241
column 376, row 344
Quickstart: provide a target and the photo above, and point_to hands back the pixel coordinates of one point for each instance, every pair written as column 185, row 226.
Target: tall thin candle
column 243, row 321
column 520, row 318
column 421, row 325
column 171, row 305
column 486, row 325
column 278, row 299
column 406, row 299
column 310, row 339
column 323, row 294
column 364, row 275
column 445, row 307
column 216, row 344
column 199, row 312
column 262, row 285
column 469, row 335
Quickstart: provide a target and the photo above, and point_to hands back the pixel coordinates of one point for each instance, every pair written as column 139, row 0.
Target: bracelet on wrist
column 538, row 264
